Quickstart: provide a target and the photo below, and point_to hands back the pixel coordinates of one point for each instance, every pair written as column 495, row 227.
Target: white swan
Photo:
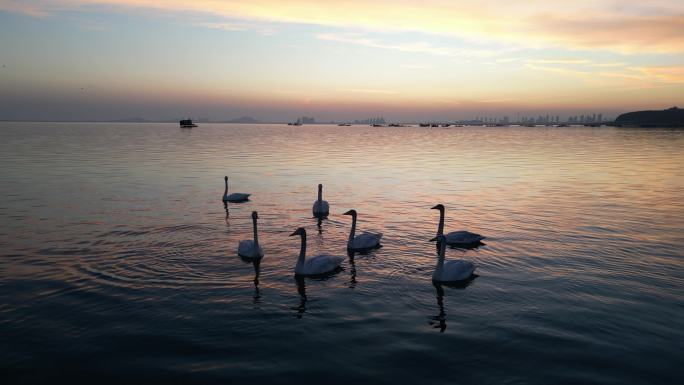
column 249, row 248
column 458, row 270
column 234, row 197
column 364, row 240
column 320, row 207
column 456, row 238
column 318, row 265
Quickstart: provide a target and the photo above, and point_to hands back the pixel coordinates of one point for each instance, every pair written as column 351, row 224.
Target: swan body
column 249, row 248
column 463, row 237
column 320, row 207
column 318, row 265
column 454, row 270
column 363, row 241
column 234, row 197
column 456, row 238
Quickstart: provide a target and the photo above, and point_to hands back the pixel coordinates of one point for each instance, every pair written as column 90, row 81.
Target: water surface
column 119, row 260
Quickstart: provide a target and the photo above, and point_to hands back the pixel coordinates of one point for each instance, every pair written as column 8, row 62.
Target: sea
column 118, row 258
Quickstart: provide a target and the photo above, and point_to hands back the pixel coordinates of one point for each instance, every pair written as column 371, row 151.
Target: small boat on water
column 187, row 123
column 297, row 123
column 344, row 124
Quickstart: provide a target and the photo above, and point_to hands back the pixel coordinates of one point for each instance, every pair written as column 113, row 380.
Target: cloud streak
column 419, row 47
column 628, row 28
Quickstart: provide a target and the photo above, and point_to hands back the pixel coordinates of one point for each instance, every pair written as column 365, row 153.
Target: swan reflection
column 319, row 224
column 256, row 264
column 257, row 270
column 352, row 269
column 366, row 254
column 439, row 321
column 301, row 289
column 301, row 281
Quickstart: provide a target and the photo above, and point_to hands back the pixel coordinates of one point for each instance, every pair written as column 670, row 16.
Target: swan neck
column 302, row 251
column 442, row 249
column 320, row 195
column 225, row 192
column 353, row 230
column 440, row 227
column 256, row 236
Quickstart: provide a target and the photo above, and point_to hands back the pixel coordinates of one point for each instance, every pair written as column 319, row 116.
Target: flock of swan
column 453, row 271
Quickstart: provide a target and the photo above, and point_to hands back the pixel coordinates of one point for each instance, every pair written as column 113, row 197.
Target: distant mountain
column 136, row 119
column 244, row 119
column 672, row 117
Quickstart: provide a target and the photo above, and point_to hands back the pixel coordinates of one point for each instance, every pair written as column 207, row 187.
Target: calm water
column 119, row 261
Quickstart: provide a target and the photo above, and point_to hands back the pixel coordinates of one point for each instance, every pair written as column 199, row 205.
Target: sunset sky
column 275, row 60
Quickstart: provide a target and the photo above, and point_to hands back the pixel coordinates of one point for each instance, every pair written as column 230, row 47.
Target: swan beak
column 433, row 239
column 348, row 213
column 293, row 234
column 434, row 207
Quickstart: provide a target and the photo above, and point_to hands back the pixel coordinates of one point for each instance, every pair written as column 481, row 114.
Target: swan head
column 225, row 178
column 351, row 212
column 299, row 231
column 320, row 187
column 255, row 215
column 439, row 207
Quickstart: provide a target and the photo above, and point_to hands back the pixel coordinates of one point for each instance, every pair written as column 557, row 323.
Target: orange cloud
column 620, row 33
column 664, row 74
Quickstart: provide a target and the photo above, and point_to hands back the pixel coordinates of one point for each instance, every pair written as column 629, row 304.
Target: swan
column 458, row 270
column 364, row 240
column 248, row 248
column 456, row 238
column 234, row 197
column 318, row 265
column 320, row 207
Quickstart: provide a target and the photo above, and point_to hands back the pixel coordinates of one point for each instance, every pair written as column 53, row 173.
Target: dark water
column 119, row 262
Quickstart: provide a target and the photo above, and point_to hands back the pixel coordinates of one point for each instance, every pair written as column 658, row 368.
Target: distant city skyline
column 342, row 61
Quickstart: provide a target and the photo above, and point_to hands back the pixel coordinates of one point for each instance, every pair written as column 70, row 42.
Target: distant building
column 378, row 120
